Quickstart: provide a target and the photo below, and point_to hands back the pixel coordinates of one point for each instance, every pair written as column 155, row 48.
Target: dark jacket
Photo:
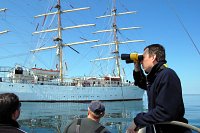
column 10, row 127
column 165, row 102
column 85, row 125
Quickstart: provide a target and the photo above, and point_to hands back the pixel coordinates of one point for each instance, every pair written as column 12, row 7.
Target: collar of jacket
column 156, row 68
column 11, row 123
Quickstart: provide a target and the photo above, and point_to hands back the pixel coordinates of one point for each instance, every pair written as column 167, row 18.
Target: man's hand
column 131, row 128
column 136, row 66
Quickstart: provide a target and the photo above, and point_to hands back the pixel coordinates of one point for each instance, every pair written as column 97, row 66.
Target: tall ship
column 51, row 85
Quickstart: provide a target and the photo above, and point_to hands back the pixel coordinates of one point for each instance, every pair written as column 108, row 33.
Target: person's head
column 152, row 55
column 96, row 110
column 9, row 107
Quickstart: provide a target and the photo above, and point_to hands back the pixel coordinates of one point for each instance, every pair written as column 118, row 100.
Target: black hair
column 9, row 103
column 158, row 50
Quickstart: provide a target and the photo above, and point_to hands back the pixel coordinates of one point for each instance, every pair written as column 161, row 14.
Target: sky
column 160, row 21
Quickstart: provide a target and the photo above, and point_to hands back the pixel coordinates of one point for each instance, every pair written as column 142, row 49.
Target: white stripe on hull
column 36, row 92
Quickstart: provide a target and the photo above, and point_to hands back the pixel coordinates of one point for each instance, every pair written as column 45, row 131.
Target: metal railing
column 177, row 123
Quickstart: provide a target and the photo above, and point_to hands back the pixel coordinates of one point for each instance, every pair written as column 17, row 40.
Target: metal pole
column 60, row 42
column 115, row 38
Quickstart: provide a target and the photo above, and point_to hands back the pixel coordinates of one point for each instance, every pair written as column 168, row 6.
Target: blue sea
column 53, row 117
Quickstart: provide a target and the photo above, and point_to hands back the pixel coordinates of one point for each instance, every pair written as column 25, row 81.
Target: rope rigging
column 15, row 55
column 183, row 26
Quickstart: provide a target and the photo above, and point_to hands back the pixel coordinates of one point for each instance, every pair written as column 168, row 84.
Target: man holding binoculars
column 164, row 91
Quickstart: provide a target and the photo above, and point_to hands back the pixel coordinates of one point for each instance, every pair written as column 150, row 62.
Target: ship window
column 18, row 71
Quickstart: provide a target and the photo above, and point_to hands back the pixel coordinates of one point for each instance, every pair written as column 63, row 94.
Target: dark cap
column 97, row 107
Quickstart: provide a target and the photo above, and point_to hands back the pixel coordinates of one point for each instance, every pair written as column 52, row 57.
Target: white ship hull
column 53, row 93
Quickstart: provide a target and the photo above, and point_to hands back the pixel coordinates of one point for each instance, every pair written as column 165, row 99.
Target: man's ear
column 16, row 114
column 103, row 113
column 154, row 57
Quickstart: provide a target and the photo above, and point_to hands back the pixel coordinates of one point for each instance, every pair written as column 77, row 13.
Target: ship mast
column 59, row 39
column 59, row 30
column 5, row 31
column 116, row 52
column 115, row 42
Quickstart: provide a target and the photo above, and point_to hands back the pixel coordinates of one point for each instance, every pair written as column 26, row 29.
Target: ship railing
column 27, row 80
column 4, row 79
column 5, row 69
column 108, row 85
column 128, row 84
column 177, row 123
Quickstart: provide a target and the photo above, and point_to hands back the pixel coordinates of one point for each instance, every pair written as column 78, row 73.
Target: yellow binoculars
column 132, row 58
